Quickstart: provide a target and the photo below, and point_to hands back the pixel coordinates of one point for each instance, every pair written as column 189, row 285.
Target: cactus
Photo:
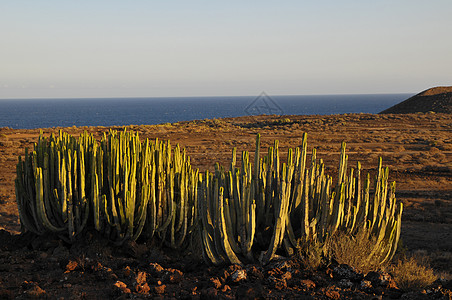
column 120, row 187
column 296, row 203
column 127, row 189
column 50, row 187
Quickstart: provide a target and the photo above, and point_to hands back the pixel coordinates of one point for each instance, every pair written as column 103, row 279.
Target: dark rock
column 345, row 284
column 381, row 279
column 281, row 264
column 366, row 286
column 346, row 272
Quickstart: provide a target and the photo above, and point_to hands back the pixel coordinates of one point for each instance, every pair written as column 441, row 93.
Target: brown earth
column 416, row 147
column 437, row 99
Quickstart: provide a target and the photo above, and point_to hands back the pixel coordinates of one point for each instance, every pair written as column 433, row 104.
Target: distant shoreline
column 44, row 113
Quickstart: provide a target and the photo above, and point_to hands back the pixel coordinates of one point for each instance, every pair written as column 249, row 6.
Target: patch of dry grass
column 412, row 273
column 409, row 272
column 345, row 249
column 354, row 251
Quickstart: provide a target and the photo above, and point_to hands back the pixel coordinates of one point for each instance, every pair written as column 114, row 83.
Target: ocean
column 45, row 113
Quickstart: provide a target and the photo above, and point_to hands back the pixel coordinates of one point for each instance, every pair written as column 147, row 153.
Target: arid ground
column 417, row 148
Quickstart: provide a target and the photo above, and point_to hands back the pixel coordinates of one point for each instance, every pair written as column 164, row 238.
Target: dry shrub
column 354, row 251
column 412, row 273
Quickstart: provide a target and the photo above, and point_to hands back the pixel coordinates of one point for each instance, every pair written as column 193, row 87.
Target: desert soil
column 417, row 148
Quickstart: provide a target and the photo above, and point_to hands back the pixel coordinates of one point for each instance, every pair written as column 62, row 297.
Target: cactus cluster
column 121, row 187
column 51, row 186
column 270, row 206
column 126, row 189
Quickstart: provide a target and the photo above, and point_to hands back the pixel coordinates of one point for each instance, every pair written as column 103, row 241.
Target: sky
column 144, row 48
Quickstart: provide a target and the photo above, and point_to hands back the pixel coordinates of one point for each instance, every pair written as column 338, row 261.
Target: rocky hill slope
column 437, row 99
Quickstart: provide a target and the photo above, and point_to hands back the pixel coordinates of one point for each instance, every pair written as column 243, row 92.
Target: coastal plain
column 417, row 148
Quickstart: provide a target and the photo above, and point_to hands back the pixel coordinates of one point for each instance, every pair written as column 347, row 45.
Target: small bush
column 412, row 273
column 354, row 251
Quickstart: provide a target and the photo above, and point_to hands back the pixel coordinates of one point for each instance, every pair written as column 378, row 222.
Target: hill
column 437, row 99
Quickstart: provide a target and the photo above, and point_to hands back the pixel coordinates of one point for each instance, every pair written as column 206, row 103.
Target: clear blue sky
column 146, row 48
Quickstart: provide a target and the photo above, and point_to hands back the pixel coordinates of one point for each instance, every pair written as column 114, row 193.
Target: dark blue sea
column 44, row 113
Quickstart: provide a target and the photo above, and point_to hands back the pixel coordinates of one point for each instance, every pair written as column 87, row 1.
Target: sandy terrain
column 416, row 147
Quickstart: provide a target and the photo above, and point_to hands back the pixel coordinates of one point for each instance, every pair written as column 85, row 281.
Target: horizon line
column 211, row 96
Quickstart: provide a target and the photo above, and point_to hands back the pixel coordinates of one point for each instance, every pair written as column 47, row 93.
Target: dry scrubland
column 416, row 147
